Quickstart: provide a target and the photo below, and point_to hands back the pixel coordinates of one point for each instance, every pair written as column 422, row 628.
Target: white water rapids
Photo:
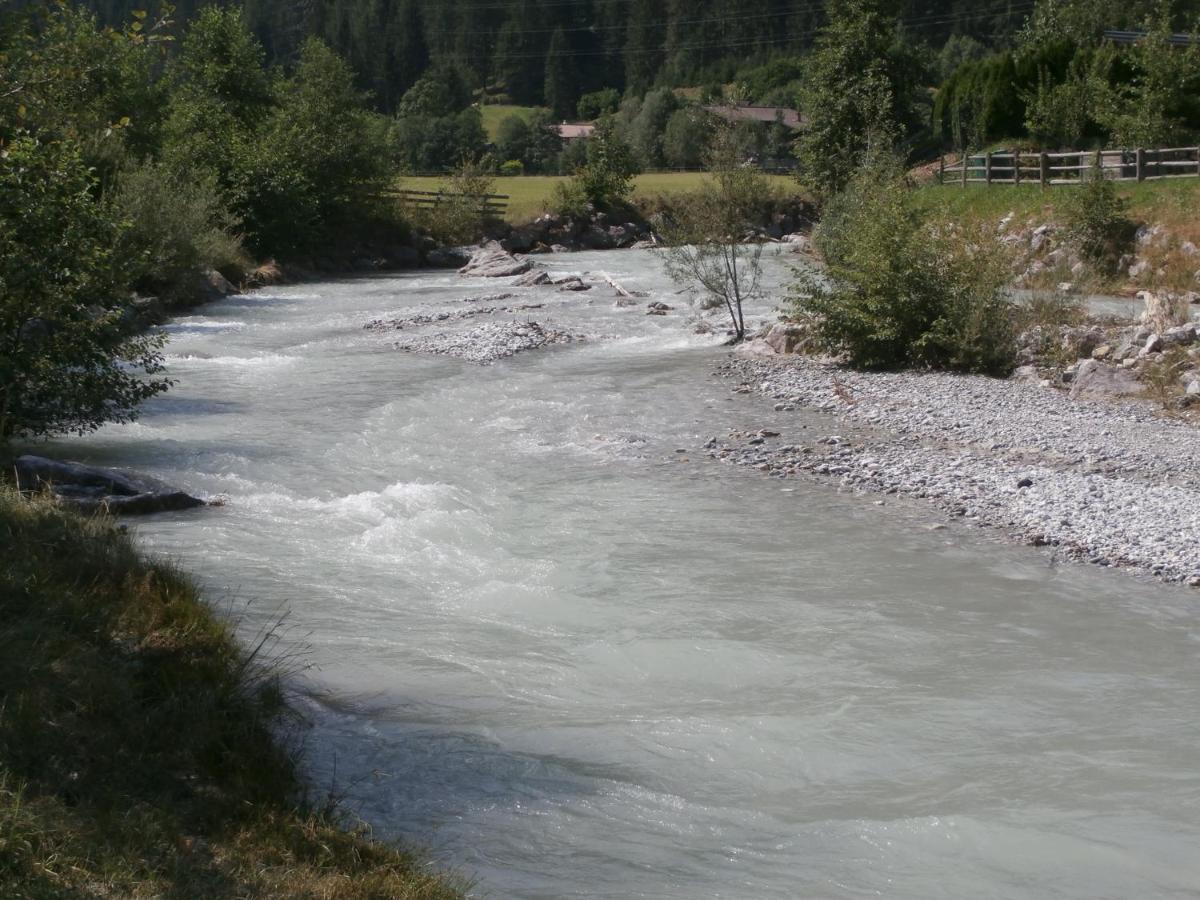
column 575, row 662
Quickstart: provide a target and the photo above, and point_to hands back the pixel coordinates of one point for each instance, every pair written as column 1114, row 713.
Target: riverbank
column 139, row 741
column 1105, row 482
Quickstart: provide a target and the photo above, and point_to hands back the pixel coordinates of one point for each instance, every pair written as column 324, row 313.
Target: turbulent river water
column 573, row 661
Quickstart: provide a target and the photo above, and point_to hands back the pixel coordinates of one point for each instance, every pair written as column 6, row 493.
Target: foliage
column 606, row 180
column 645, row 130
column 312, row 163
column 424, row 144
column 442, row 91
column 598, row 103
column 902, row 290
column 512, row 167
column 1147, row 96
column 861, row 94
column 138, row 747
column 686, row 137
column 459, row 216
column 561, row 89
column 1095, row 219
column 177, row 227
column 706, row 248
column 61, row 76
column 67, row 362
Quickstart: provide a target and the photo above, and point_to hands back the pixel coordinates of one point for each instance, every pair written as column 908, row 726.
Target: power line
column 1022, row 5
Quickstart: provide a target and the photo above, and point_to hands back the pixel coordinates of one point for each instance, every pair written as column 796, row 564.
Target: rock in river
column 94, row 489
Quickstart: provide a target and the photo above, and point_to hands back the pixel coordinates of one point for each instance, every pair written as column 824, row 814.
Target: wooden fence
column 490, row 204
column 1075, row 167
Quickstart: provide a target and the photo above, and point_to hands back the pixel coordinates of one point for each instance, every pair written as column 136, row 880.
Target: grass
column 530, row 195
column 1172, row 203
column 494, row 115
column 138, row 747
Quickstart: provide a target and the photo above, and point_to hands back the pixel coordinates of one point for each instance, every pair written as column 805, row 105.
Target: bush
column 177, row 226
column 512, row 167
column 903, row 291
column 67, row 361
column 1094, row 219
column 459, row 216
column 599, row 103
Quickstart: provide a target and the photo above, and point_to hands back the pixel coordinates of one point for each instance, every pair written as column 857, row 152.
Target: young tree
column 860, row 95
column 706, row 250
column 67, row 360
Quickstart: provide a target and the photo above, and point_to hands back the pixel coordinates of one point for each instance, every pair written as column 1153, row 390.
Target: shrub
column 1094, row 219
column 67, row 361
column 902, row 290
column 176, row 226
column 512, row 167
column 459, row 216
column 606, row 180
column 599, row 103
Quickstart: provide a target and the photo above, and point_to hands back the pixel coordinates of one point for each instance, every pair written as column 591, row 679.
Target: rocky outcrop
column 1095, row 380
column 493, row 261
column 95, row 489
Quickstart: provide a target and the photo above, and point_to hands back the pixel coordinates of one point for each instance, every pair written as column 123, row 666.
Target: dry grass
column 138, row 748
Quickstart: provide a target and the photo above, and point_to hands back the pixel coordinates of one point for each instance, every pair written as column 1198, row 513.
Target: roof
column 744, row 112
column 570, row 131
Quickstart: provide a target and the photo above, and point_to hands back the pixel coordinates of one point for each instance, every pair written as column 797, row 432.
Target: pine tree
column 408, row 53
column 561, row 90
column 644, row 46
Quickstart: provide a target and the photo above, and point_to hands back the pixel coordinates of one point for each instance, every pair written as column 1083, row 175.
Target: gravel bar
column 1110, row 483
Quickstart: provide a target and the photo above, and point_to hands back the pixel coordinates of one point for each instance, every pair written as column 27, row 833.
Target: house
column 745, row 112
column 574, row 131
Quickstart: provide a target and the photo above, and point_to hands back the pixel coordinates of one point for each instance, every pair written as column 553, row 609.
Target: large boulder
column 493, row 261
column 1095, row 380
column 784, row 338
column 92, row 488
column 447, row 257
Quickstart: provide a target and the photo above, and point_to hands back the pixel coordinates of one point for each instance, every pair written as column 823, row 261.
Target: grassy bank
column 1172, row 203
column 138, row 754
column 531, row 195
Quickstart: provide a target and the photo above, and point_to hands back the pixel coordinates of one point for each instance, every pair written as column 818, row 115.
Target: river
column 574, row 661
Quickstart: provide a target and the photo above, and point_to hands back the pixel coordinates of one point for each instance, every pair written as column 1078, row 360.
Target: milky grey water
column 575, row 662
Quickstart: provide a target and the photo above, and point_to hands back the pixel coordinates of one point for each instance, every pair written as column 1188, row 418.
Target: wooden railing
column 1074, row 167
column 491, row 204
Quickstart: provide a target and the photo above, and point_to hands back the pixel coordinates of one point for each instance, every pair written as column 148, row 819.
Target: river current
column 573, row 661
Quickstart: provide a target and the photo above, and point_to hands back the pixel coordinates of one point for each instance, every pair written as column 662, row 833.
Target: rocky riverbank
column 1107, row 482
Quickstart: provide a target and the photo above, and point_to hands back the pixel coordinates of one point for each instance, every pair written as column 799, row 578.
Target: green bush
column 67, row 361
column 605, row 181
column 903, row 291
column 512, row 167
column 1094, row 218
column 176, row 226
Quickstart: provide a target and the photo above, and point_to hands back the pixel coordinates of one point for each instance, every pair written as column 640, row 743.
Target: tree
column 643, row 48
column 686, row 137
column 409, row 55
column 705, row 246
column 860, row 94
column 598, row 103
column 561, row 90
column 67, row 360
column 312, row 162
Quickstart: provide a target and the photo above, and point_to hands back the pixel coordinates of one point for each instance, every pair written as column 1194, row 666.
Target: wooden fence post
column 1141, row 164
column 987, row 167
column 965, row 159
column 942, row 169
column 1016, row 161
column 1044, row 169
column 1099, row 176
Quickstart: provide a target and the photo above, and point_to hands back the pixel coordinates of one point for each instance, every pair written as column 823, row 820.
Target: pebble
column 1110, row 483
